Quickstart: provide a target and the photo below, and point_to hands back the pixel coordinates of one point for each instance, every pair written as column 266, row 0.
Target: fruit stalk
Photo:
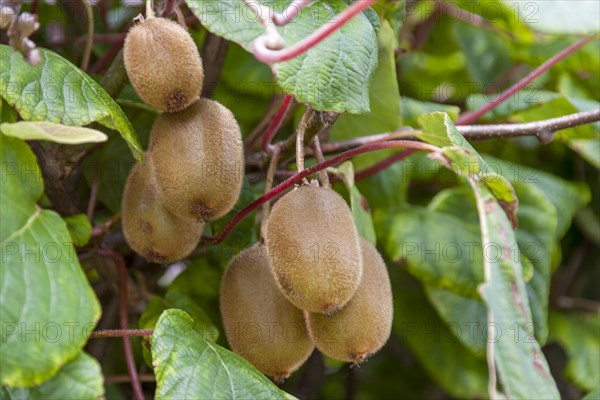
column 316, row 147
column 268, row 187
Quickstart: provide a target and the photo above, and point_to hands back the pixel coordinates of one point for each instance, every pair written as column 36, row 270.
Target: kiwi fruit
column 198, row 160
column 365, row 323
column 261, row 325
column 314, row 249
column 150, row 229
column 163, row 64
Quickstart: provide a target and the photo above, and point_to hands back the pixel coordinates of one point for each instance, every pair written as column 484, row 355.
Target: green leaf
column 521, row 365
column 81, row 379
column 459, row 372
column 384, row 94
column 59, row 92
column 536, row 244
column 358, row 205
column 52, row 132
column 440, row 249
column 486, row 53
column 188, row 366
column 558, row 16
column 568, row 197
column 577, row 333
column 47, row 306
column 80, row 229
column 439, row 130
column 538, row 221
column 467, row 317
column 174, row 299
column 333, row 75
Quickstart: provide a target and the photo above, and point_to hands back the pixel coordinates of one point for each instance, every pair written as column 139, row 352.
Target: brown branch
column 113, row 333
column 125, row 378
column 544, row 130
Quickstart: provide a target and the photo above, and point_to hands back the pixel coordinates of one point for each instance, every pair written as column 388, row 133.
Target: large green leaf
column 189, row 366
column 46, row 304
column 333, row 75
column 385, row 104
column 536, row 244
column 59, row 92
column 80, row 378
column 521, row 365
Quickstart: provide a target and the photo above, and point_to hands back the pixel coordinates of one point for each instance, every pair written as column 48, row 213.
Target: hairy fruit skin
column 163, row 64
column 150, row 229
column 249, row 297
column 314, row 249
column 365, row 323
column 199, row 160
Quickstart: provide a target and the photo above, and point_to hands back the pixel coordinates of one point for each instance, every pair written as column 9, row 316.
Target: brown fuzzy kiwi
column 260, row 324
column 199, row 160
column 365, row 323
column 150, row 229
column 163, row 64
column 314, row 249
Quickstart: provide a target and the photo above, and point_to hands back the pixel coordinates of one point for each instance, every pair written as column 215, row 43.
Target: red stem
column 266, row 55
column 275, row 124
column 469, row 118
column 380, row 166
column 309, row 171
column 124, row 321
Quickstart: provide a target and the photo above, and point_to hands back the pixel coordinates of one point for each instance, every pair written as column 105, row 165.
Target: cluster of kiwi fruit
column 193, row 170
column 311, row 282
